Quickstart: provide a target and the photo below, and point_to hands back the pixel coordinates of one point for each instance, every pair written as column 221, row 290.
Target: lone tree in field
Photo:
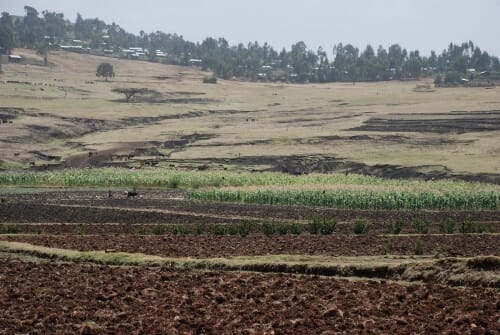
column 42, row 49
column 131, row 92
column 105, row 70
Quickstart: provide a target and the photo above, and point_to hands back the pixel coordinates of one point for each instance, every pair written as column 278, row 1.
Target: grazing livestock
column 131, row 194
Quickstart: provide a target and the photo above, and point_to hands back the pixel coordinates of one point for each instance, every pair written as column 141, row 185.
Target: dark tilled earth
column 171, row 207
column 209, row 245
column 51, row 298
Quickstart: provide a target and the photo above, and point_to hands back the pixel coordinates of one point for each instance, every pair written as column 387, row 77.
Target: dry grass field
column 61, row 113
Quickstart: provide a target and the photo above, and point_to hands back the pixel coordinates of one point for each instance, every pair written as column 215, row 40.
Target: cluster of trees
column 251, row 61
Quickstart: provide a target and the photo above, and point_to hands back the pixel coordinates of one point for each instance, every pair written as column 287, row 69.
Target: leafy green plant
column 322, row 225
column 328, row 226
column 387, row 248
column 174, row 181
column 219, row 229
column 181, row 229
column 142, row 230
column 421, row 226
column 395, row 227
column 80, row 231
column 419, row 248
column 159, row 229
column 269, row 228
column 294, row 228
column 210, row 80
column 314, row 226
column 12, row 229
column 360, row 227
column 282, row 228
column 482, row 227
column 245, row 228
column 200, row 228
column 467, row 227
column 447, row 226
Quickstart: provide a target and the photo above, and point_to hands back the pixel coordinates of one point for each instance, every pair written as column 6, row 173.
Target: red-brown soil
column 50, row 298
column 208, row 245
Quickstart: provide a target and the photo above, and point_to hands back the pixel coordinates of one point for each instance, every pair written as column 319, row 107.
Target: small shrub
column 438, row 80
column 219, row 229
column 181, row 229
column 142, row 230
column 174, row 181
column 387, row 248
column 210, row 80
column 200, row 228
column 360, row 227
column 395, row 227
column 244, row 228
column 12, row 229
column 195, row 183
column 314, row 226
column 159, row 230
column 328, row 226
column 467, row 227
column 269, row 228
column 295, row 228
column 421, row 226
column 232, row 229
column 282, row 228
column 419, row 248
column 447, row 226
column 481, row 227
column 322, row 225
column 80, row 231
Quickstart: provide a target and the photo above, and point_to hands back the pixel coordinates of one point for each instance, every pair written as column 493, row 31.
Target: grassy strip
column 325, row 265
column 345, row 199
column 99, row 257
column 477, row 271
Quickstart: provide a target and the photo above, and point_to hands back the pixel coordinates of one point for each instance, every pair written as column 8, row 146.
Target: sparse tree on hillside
column 42, row 49
column 131, row 92
column 105, row 70
column 6, row 33
column 6, row 39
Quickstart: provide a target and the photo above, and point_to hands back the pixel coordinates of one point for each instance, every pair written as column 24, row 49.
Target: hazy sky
column 415, row 24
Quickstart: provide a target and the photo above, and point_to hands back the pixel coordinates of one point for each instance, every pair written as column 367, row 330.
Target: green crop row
column 119, row 177
column 358, row 199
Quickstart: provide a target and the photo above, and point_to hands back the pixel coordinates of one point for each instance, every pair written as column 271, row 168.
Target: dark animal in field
column 131, row 194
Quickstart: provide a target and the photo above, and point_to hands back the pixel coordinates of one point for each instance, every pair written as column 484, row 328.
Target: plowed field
column 66, row 295
column 74, row 298
column 208, row 245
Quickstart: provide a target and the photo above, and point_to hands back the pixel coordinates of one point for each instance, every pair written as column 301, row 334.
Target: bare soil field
column 170, row 207
column 74, row 298
column 203, row 286
column 211, row 246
